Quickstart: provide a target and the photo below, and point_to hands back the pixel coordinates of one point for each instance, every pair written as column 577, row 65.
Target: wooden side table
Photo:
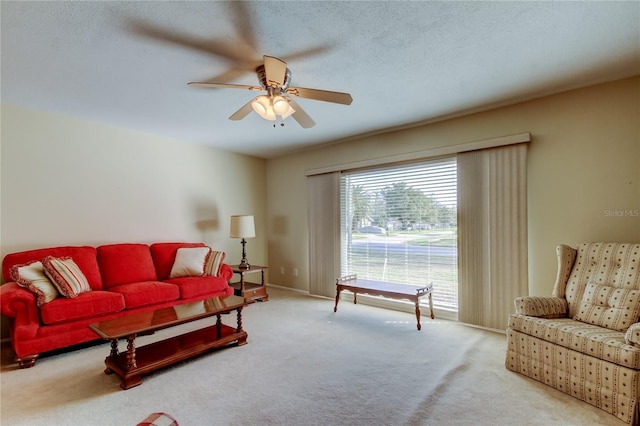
column 250, row 290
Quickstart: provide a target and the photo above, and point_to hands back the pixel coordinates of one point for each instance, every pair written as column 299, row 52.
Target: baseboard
column 296, row 290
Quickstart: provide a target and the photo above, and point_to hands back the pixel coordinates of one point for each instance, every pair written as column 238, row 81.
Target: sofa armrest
column 226, row 272
column 543, row 307
column 633, row 335
column 19, row 304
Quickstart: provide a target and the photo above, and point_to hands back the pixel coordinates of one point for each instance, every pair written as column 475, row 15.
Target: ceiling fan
column 274, row 78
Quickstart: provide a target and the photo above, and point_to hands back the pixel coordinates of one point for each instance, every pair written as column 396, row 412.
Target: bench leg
column 418, row 314
column 338, row 290
column 431, row 307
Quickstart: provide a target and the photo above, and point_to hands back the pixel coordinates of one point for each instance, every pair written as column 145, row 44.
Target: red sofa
column 124, row 278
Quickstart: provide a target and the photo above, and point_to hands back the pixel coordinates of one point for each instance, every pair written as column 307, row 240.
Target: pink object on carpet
column 158, row 419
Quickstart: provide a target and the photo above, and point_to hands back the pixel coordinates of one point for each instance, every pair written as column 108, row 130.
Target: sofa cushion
column 86, row 305
column 189, row 262
column 191, row 287
column 593, row 340
column 164, row 255
column 83, row 256
column 610, row 307
column 214, row 263
column 146, row 293
column 66, row 276
column 125, row 263
column 32, row 277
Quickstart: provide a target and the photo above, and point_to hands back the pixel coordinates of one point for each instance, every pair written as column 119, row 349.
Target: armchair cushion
column 610, row 307
column 632, row 336
column 542, row 307
column 601, row 343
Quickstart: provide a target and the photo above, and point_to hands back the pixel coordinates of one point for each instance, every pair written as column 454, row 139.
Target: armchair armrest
column 632, row 336
column 543, row 307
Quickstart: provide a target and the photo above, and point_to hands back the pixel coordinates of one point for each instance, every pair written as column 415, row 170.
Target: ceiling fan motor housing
column 262, row 77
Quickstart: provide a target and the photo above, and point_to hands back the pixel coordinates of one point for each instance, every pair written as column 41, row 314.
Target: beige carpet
column 304, row 365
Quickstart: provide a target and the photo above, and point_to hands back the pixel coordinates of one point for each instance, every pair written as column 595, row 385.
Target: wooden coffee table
column 131, row 364
column 380, row 288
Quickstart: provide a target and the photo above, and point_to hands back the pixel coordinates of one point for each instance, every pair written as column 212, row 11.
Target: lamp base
column 243, row 263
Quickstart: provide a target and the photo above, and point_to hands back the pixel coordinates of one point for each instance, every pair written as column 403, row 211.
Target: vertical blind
column 398, row 224
column 324, row 234
column 492, row 223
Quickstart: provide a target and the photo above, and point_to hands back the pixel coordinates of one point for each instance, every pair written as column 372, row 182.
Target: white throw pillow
column 190, row 262
column 32, row 277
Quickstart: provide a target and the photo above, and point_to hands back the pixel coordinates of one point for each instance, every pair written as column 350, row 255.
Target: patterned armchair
column 585, row 339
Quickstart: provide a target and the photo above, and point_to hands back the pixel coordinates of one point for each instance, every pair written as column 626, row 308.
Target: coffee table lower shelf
column 131, row 364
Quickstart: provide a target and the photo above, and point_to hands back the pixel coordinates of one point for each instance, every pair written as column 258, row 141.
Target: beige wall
column 583, row 166
column 68, row 182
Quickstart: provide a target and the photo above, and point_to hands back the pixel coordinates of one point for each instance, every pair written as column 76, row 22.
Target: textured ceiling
column 128, row 63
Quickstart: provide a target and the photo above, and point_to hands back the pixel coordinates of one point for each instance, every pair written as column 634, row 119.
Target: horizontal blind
column 398, row 224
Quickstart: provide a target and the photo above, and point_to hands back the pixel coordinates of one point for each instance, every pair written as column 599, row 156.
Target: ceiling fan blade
column 241, row 16
column 321, row 95
column 275, row 71
column 304, row 54
column 300, row 116
column 223, row 86
column 242, row 112
column 218, row 47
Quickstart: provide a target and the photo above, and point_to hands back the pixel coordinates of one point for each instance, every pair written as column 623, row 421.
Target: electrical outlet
column 295, row 272
column 282, row 270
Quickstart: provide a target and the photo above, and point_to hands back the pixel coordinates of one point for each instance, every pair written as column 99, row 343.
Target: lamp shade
column 262, row 105
column 280, row 105
column 242, row 226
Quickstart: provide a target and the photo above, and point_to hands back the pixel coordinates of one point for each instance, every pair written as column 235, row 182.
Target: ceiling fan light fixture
column 262, row 105
column 274, row 78
column 288, row 113
column 280, row 105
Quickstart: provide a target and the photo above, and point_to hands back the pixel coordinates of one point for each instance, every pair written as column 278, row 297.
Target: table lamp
column 242, row 226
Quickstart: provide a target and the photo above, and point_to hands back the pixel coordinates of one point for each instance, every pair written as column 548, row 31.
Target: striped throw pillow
column 66, row 276
column 214, row 262
column 32, row 277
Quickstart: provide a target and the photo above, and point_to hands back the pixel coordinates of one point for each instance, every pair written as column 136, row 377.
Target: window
column 398, row 224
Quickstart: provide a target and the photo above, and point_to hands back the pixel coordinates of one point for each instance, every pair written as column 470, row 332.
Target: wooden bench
column 385, row 289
